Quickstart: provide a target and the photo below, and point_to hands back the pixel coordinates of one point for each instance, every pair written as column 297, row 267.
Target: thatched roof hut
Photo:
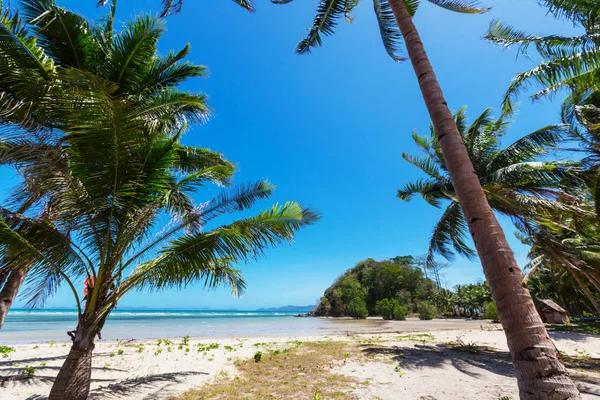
column 552, row 313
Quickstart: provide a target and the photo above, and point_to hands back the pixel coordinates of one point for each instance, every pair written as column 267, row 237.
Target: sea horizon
column 51, row 324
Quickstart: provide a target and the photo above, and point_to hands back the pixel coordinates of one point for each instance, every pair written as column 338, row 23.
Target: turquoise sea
column 32, row 326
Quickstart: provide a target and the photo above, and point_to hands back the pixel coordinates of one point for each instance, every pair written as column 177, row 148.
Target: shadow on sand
column 130, row 386
column 468, row 359
column 122, row 388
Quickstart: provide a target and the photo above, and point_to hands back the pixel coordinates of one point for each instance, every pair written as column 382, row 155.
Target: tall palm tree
column 114, row 121
column 514, row 184
column 538, row 369
column 517, row 184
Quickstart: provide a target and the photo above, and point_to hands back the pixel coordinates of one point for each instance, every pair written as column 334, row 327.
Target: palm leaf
column 432, row 191
column 201, row 256
column 461, row 6
column 388, row 29
column 328, row 12
column 450, row 234
column 528, row 147
column 63, row 34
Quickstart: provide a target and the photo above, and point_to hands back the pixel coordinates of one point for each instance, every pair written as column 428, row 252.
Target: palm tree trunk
column 74, row 378
column 540, row 374
column 10, row 290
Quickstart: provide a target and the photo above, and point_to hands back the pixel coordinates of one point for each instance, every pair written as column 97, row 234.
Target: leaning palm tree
column 538, row 369
column 118, row 170
column 514, row 181
column 517, row 184
column 568, row 62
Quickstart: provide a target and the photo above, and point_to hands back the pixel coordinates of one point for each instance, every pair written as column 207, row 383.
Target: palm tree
column 570, row 62
column 516, row 183
column 114, row 119
column 526, row 336
column 67, row 44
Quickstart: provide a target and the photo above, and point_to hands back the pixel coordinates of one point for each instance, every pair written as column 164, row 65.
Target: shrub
column 399, row 313
column 426, row 311
column 491, row 311
column 258, row 356
column 357, row 308
column 29, row 371
column 6, row 350
column 386, row 307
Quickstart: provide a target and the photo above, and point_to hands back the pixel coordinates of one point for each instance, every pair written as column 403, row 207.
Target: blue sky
column 329, row 129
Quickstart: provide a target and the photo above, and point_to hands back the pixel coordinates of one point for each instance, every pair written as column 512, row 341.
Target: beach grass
column 304, row 370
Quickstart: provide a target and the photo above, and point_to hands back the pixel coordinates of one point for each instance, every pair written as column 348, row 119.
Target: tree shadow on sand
column 469, row 359
column 40, row 359
column 132, row 385
column 465, row 358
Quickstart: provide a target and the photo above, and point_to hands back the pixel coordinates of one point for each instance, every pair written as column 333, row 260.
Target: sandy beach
column 406, row 359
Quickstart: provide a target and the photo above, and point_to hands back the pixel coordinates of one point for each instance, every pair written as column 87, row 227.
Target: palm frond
column 64, row 35
column 425, row 164
column 449, row 235
column 461, row 6
column 528, row 147
column 169, row 7
column 328, row 12
column 388, row 29
column 201, row 256
column 432, row 191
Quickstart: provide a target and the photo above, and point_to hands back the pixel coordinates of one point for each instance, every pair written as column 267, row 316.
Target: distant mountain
column 290, row 308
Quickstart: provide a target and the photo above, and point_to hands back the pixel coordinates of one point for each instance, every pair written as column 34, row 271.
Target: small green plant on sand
column 140, row 348
column 185, row 340
column 111, row 354
column 228, row 348
column 29, row 371
column 43, row 364
column 120, row 352
column 6, row 350
column 258, row 356
column 51, row 343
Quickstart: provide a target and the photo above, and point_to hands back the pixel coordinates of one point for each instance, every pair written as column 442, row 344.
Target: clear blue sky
column 328, row 129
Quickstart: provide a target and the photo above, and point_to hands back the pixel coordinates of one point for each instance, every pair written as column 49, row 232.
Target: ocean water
column 33, row 326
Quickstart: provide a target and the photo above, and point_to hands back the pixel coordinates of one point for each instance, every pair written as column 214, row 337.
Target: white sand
column 399, row 368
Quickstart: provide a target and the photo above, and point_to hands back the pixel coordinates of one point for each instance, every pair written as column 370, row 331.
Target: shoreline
column 135, row 369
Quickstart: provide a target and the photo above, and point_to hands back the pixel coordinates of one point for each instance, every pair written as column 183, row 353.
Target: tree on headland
column 117, row 121
column 398, row 281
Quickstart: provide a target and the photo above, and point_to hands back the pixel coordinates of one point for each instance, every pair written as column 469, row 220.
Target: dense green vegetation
column 373, row 281
column 394, row 288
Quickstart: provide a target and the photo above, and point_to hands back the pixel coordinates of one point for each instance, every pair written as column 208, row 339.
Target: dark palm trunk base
column 74, row 378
